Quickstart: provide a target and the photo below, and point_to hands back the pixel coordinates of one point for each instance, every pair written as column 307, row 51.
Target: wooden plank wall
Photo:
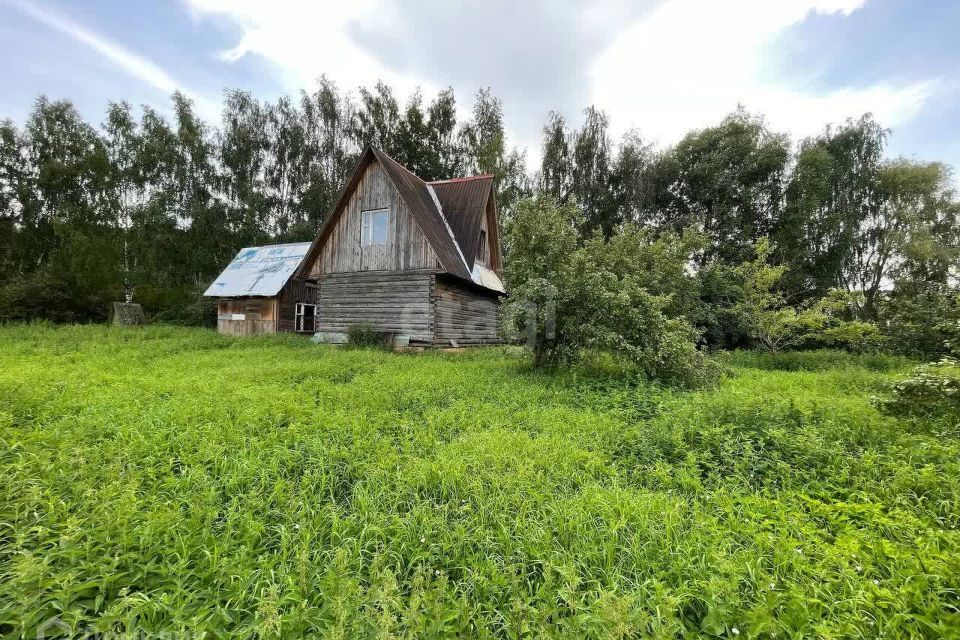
column 390, row 300
column 293, row 292
column 260, row 316
column 406, row 248
column 464, row 315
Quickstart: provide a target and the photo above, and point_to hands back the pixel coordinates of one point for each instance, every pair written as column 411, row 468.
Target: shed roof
column 259, row 271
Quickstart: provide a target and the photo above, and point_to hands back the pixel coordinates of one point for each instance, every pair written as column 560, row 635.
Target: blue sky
column 662, row 67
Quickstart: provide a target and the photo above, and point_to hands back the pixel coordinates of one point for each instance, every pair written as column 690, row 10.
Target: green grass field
column 171, row 480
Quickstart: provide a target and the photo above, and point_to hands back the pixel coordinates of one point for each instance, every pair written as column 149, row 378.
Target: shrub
column 364, row 334
column 930, row 390
column 854, row 336
column 921, row 319
column 607, row 295
column 813, row 360
column 194, row 311
column 777, row 325
column 49, row 296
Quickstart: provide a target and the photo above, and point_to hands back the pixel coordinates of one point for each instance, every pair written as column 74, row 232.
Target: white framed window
column 306, row 319
column 373, row 227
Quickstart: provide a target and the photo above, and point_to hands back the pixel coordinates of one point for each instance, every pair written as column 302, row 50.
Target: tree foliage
column 151, row 207
column 607, row 295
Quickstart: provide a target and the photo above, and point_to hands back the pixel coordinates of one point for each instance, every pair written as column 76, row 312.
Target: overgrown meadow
column 173, row 480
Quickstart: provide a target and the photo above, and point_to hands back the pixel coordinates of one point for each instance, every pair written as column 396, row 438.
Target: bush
column 48, row 296
column 364, row 334
column 854, row 336
column 196, row 311
column 921, row 319
column 777, row 325
column 815, row 360
column 607, row 295
column 931, row 390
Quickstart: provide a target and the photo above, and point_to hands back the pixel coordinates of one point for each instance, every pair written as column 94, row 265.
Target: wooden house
column 420, row 260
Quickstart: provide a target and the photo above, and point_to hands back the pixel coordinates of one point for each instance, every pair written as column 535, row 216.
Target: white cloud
column 690, row 62
column 136, row 65
column 307, row 39
column 668, row 66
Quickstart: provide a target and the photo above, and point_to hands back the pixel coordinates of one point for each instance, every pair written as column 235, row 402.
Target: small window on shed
column 373, row 227
column 306, row 317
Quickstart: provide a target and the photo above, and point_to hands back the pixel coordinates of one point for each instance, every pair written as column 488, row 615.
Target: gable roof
column 452, row 236
column 419, row 198
column 464, row 204
column 426, row 211
column 259, row 271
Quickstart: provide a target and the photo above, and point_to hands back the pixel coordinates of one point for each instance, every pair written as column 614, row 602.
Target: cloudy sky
column 660, row 66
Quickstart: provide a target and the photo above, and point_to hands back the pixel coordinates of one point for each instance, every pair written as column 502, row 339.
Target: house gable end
column 418, row 235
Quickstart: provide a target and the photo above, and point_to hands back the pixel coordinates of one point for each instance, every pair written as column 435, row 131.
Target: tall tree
column 630, row 178
column 284, row 167
column 22, row 229
column 378, row 120
column 328, row 121
column 485, row 147
column 833, row 191
column 72, row 185
column 914, row 233
column 556, row 164
column 730, row 184
column 127, row 183
column 591, row 174
column 244, row 155
column 444, row 147
column 412, row 145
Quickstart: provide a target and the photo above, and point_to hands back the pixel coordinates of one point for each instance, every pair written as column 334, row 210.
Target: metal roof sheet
column 487, row 278
column 259, row 271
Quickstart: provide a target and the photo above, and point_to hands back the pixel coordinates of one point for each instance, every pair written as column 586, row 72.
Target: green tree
column 912, row 232
column 377, row 120
column 595, row 298
column 729, row 184
column 592, row 150
column 777, row 325
column 127, row 184
column 833, row 190
column 445, row 153
column 483, row 139
column 556, row 164
column 244, row 153
column 328, row 123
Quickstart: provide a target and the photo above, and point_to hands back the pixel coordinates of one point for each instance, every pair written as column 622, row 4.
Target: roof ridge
column 480, row 176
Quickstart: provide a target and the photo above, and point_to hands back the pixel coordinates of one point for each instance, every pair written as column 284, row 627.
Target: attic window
column 482, row 248
column 373, row 227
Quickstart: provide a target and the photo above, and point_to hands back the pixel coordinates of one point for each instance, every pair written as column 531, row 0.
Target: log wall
column 464, row 315
column 397, row 301
column 293, row 292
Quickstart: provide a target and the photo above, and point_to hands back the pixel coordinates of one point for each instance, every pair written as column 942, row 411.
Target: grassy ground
column 173, row 480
